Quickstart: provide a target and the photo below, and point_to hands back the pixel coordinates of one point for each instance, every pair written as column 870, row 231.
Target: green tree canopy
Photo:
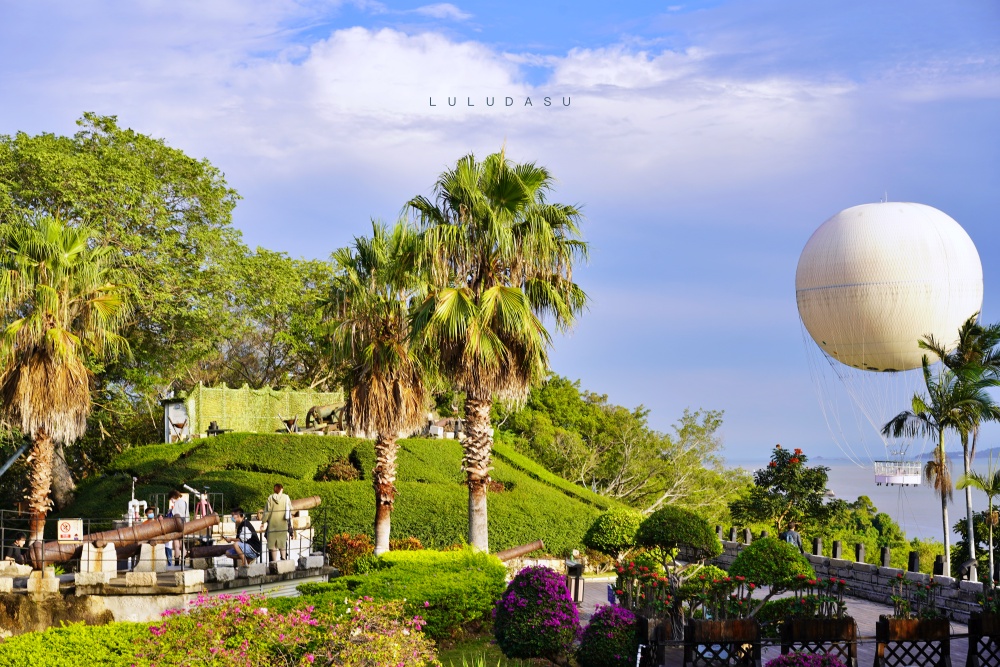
column 783, row 491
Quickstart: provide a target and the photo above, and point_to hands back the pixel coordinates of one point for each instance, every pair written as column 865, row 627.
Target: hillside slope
column 432, row 500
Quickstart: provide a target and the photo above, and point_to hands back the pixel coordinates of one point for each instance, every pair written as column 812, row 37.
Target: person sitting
column 246, row 544
column 15, row 552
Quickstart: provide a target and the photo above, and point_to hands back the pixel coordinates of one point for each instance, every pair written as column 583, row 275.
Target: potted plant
column 818, row 622
column 985, row 625
column 727, row 630
column 916, row 630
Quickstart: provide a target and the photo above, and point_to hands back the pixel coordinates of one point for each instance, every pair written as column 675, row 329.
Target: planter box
column 907, row 641
column 722, row 643
column 825, row 636
column 984, row 640
column 653, row 632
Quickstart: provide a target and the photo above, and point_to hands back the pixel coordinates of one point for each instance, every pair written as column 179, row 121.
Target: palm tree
column 381, row 372
column 953, row 402
column 990, row 485
column 975, row 357
column 62, row 302
column 500, row 259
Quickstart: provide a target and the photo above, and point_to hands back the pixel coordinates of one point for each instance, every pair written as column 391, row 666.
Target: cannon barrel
column 208, row 550
column 514, row 552
column 306, row 503
column 160, row 527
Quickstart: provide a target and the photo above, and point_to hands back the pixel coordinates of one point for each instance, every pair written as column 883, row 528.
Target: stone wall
column 872, row 582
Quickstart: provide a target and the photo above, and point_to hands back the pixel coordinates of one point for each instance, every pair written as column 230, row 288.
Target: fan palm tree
column 988, row 483
column 975, row 357
column 499, row 258
column 381, row 372
column 953, row 403
column 62, row 303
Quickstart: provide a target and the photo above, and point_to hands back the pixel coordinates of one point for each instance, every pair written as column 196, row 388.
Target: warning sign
column 70, row 530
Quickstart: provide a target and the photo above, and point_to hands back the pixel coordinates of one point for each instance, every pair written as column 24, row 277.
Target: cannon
column 159, row 529
column 524, row 549
column 325, row 414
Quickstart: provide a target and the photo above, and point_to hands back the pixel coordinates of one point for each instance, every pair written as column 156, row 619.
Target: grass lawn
column 481, row 652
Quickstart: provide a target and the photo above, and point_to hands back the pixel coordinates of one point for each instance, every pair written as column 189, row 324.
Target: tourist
column 15, row 552
column 278, row 516
column 792, row 536
column 246, row 544
column 178, row 508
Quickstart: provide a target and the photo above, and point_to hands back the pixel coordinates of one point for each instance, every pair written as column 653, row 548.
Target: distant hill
column 526, row 503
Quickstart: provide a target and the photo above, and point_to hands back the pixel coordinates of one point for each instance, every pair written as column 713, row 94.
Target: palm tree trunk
column 992, row 572
column 966, row 457
column 944, row 508
column 39, row 484
column 384, row 481
column 477, row 448
column 63, row 486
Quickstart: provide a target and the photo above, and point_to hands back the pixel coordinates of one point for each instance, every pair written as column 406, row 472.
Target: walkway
column 865, row 614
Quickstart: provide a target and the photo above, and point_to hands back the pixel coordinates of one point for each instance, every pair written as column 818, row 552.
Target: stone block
column 282, row 567
column 93, row 578
column 863, row 567
column 971, row 586
column 300, row 522
column 152, row 558
column 888, row 572
column 220, row 574
column 8, row 569
column 201, row 563
column 311, row 562
column 40, row 583
column 917, row 576
column 223, row 561
column 140, row 579
column 6, row 584
column 251, row 571
column 946, row 582
column 188, row 578
column 98, row 559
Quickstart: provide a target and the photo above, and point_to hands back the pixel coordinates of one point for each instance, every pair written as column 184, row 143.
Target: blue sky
column 705, row 141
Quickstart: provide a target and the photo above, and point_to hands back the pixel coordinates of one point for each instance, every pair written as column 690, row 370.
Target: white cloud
column 443, row 10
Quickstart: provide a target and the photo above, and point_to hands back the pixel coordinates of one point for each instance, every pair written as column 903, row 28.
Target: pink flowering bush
column 610, row 639
column 242, row 631
column 536, row 617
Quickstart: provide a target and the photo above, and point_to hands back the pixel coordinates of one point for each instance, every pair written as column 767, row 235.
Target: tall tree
column 499, row 258
column 382, row 373
column 975, row 357
column 63, row 303
column 954, row 402
column 786, row 490
column 988, row 483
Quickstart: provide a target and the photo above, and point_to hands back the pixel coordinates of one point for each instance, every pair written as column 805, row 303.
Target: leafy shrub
column 672, row 527
column 344, row 550
column 405, row 544
column 112, row 645
column 246, row 630
column 450, row 590
column 536, row 617
column 805, row 660
column 774, row 612
column 610, row 639
column 771, row 562
column 339, row 469
column 613, row 533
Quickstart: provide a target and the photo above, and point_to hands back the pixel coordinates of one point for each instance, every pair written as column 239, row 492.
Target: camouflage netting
column 247, row 410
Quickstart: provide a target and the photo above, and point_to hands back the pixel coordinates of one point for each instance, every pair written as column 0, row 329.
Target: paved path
column 865, row 614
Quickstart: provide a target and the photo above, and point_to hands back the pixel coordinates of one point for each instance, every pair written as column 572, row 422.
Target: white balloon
column 875, row 279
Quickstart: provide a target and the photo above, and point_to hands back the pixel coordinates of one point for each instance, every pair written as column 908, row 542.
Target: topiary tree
column 613, row 533
column 769, row 561
column 536, row 617
column 609, row 640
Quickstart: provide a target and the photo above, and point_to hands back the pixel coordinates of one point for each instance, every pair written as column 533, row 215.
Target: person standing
column 278, row 517
column 178, row 508
column 792, row 536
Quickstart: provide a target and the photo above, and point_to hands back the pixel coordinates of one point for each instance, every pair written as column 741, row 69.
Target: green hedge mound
column 111, row 645
column 529, row 503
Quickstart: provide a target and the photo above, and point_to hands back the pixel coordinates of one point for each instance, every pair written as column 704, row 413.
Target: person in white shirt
column 178, row 508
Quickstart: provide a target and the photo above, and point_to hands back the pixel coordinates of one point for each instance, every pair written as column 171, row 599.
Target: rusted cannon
column 159, row 528
column 524, row 549
column 306, row 503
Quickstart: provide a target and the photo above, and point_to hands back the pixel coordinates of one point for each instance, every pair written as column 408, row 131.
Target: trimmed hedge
column 671, row 527
column 111, row 645
column 431, row 505
column 771, row 562
column 522, row 463
column 450, row 589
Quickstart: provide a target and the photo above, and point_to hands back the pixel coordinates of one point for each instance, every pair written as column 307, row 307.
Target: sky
column 705, row 141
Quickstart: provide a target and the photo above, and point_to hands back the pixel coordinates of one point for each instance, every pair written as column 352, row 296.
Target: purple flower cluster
column 805, row 660
column 536, row 617
column 610, row 639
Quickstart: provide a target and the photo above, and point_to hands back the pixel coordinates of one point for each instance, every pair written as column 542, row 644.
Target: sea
column 917, row 509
